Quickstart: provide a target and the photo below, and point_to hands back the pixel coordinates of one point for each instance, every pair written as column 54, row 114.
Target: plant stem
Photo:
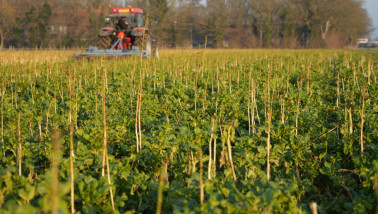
column 299, row 101
column 140, row 108
column 71, row 146
column 105, row 146
column 313, row 208
column 269, row 114
column 54, row 195
column 19, row 146
column 2, row 121
column 268, row 145
column 230, row 151
column 282, row 109
column 202, row 194
column 215, row 157
column 362, row 126
column 109, row 182
column 47, row 116
column 136, row 124
column 211, row 139
column 160, row 191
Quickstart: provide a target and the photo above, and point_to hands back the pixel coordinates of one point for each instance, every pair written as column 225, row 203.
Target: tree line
column 190, row 23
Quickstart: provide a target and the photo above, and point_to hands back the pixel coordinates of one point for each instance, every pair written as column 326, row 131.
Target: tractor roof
column 123, row 11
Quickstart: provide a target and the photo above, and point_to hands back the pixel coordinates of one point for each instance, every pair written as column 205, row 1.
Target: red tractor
column 136, row 36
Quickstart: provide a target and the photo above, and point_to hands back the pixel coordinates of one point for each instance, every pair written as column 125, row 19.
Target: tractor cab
column 134, row 16
column 111, row 32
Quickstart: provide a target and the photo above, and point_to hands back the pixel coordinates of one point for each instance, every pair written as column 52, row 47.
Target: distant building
column 369, row 45
column 58, row 29
column 362, row 41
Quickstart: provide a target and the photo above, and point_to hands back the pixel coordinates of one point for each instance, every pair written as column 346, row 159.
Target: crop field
column 194, row 131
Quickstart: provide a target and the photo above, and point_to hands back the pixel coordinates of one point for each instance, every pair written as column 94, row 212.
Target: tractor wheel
column 138, row 41
column 147, row 45
column 104, row 42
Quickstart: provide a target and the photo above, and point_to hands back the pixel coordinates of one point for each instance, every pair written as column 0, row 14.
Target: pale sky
column 372, row 9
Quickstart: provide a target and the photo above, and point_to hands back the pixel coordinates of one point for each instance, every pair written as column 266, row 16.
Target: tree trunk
column 2, row 39
column 325, row 31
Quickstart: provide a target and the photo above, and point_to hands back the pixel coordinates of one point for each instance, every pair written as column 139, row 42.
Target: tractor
column 113, row 40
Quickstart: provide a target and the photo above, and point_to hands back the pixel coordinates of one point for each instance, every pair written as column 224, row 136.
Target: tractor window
column 131, row 19
column 135, row 20
column 107, row 21
column 139, row 20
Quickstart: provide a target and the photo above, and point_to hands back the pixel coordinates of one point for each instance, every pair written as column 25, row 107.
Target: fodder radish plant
column 195, row 131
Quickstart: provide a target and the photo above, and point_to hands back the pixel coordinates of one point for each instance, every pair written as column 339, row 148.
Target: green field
column 195, row 131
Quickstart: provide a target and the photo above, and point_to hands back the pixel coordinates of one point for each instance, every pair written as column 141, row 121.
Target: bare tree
column 337, row 18
column 267, row 15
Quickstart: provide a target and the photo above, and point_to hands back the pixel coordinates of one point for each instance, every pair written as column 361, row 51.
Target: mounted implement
column 124, row 34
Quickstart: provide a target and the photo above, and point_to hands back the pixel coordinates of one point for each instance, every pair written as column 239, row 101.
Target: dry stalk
column 350, row 121
column 346, row 114
column 71, row 144
column 313, row 207
column 211, row 139
column 230, row 82
column 249, row 104
column 54, row 195
column 338, row 90
column 229, row 149
column 215, row 157
column 202, row 194
column 39, row 122
column 268, row 141
column 109, row 182
column 195, row 95
column 308, row 79
column 105, row 146
column 2, row 120
column 253, row 106
column 19, row 159
column 136, row 124
column 140, row 108
column 138, row 129
column 269, row 115
column 282, row 99
column 362, row 123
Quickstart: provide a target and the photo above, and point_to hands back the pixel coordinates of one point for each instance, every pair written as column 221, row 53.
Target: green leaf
column 27, row 193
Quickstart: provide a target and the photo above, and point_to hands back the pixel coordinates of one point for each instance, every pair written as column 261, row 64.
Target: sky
column 372, row 9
